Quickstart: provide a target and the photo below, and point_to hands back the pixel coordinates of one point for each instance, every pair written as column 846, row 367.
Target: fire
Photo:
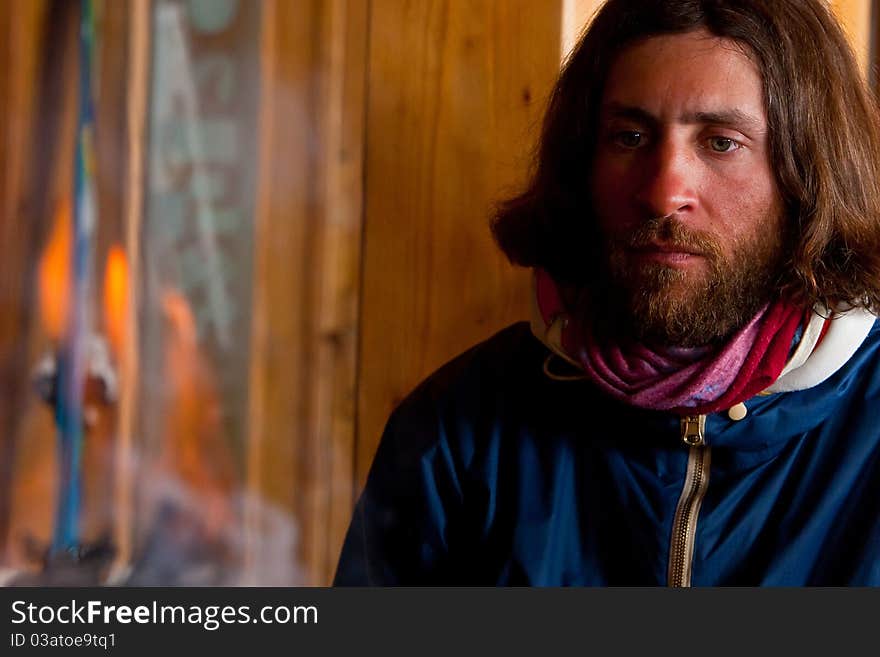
column 116, row 296
column 195, row 446
column 54, row 273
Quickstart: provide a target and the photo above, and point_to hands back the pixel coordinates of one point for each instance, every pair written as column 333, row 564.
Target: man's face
column 683, row 191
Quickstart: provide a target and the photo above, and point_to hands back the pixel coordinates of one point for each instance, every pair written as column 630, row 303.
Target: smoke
column 182, row 535
column 194, row 538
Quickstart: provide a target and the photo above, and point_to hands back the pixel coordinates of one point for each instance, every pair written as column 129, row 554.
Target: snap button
column 738, row 412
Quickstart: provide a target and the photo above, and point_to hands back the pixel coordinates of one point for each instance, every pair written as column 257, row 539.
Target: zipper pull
column 693, row 430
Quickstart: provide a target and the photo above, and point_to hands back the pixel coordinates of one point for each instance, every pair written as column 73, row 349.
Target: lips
column 666, row 249
column 667, row 241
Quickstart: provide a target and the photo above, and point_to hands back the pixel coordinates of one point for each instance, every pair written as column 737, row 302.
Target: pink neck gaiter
column 688, row 381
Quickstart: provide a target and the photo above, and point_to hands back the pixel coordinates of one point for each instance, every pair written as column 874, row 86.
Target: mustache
column 671, row 233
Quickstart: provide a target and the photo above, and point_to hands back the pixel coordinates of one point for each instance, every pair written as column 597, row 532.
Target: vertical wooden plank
column 38, row 159
column 110, row 76
column 112, row 84
column 448, row 130
column 137, row 31
column 38, row 170
column 855, row 15
column 259, row 345
column 329, row 480
column 21, row 27
column 307, row 265
column 576, row 15
column 874, row 47
column 283, row 266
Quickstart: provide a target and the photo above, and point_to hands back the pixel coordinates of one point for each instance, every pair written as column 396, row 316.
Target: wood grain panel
column 111, row 74
column 136, row 28
column 40, row 69
column 334, row 335
column 855, row 15
column 282, row 266
column 39, row 74
column 874, row 60
column 456, row 91
column 21, row 27
column 301, row 436
column 576, row 15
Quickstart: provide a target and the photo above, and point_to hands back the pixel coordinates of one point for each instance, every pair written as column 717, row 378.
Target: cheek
column 611, row 192
column 743, row 207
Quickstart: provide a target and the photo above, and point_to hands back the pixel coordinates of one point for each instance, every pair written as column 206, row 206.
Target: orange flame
column 54, row 273
column 195, row 446
column 116, row 296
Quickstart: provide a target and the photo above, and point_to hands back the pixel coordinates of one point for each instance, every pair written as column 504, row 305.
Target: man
column 694, row 404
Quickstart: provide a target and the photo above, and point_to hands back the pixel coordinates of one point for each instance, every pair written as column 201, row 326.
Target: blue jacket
column 491, row 473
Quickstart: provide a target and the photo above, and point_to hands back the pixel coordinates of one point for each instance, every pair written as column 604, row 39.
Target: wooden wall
column 308, row 236
column 374, row 251
column 874, row 45
column 38, row 127
column 39, row 76
column 456, row 91
column 21, row 46
column 855, row 15
column 388, row 128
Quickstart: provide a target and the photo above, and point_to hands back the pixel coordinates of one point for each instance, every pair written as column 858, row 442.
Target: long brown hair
column 824, row 143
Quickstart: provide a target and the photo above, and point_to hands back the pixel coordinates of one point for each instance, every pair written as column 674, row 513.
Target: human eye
column 628, row 138
column 720, row 144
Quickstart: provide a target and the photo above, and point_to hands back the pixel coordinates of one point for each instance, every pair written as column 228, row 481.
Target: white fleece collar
column 808, row 366
column 811, row 365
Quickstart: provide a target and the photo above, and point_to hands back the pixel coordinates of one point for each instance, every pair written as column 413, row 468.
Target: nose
column 668, row 185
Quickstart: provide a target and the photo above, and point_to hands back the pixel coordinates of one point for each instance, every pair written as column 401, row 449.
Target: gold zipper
column 693, row 429
column 684, row 528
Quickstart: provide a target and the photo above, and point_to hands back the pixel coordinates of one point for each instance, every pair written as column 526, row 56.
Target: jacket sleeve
column 401, row 525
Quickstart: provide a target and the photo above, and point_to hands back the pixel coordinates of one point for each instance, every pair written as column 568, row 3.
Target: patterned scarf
column 683, row 380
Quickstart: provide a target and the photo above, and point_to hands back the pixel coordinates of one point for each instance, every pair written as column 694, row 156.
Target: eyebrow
column 727, row 117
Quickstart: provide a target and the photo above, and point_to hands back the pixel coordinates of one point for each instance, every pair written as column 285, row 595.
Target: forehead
column 683, row 74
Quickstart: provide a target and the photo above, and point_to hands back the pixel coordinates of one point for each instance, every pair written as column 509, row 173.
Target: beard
column 657, row 304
